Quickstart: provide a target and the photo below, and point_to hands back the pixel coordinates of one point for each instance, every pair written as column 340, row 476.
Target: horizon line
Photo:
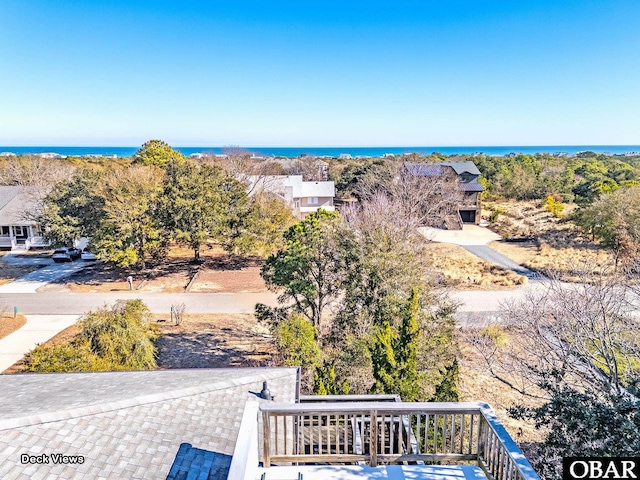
column 333, row 146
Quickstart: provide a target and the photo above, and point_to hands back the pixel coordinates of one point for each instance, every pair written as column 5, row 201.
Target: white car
column 65, row 254
column 87, row 255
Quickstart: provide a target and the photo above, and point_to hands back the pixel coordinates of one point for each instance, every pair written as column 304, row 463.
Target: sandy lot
column 218, row 272
column 553, row 246
column 214, row 340
column 200, row 341
column 8, row 324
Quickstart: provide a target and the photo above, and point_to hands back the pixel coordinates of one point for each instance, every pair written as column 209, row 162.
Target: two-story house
column 470, row 205
column 303, row 197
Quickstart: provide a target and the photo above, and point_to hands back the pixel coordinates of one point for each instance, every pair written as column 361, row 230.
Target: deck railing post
column 373, row 439
column 266, row 439
column 480, row 446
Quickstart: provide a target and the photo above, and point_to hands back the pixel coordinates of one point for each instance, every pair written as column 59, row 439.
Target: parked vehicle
column 65, row 254
column 87, row 255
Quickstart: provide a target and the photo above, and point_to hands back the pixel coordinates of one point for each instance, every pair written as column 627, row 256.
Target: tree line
column 131, row 213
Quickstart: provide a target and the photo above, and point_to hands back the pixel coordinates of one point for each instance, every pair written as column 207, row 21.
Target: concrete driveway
column 474, row 239
column 34, row 280
column 469, row 235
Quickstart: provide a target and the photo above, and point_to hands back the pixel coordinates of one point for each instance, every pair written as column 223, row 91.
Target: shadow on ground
column 215, row 348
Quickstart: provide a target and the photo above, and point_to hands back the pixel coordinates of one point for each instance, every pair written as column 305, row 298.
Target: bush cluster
column 117, row 338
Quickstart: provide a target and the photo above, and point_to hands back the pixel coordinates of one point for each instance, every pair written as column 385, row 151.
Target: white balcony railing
column 7, row 242
column 391, row 433
column 37, row 242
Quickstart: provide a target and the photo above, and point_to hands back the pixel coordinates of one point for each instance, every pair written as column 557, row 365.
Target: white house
column 18, row 230
column 303, row 197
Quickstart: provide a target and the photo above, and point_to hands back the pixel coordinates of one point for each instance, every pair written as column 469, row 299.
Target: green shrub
column 495, row 334
column 495, row 213
column 296, row 340
column 116, row 338
column 70, row 357
column 122, row 335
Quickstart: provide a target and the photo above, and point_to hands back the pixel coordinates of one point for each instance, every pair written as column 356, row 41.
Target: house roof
column 317, row 189
column 16, row 202
column 471, row 187
column 425, row 169
column 128, row 424
column 463, row 167
column 297, row 187
column 436, row 168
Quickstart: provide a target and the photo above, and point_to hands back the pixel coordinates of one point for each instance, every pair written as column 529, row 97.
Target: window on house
column 4, row 231
column 313, row 200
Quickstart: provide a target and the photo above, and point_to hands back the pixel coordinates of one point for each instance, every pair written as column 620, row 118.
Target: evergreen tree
column 310, row 268
column 447, row 388
column 156, row 152
column 194, row 205
column 394, row 355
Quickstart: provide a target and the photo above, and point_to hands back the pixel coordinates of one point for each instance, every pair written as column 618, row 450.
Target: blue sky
column 320, row 73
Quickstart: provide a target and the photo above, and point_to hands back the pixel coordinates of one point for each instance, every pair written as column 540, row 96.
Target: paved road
column 78, row 303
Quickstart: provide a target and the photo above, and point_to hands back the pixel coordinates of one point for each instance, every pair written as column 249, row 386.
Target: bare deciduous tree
column 584, row 335
column 35, row 171
column 425, row 198
column 253, row 172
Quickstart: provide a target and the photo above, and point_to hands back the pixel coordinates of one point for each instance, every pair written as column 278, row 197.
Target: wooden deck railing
column 391, row 432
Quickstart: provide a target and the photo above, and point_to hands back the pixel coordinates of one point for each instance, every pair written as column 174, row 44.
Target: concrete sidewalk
column 38, row 329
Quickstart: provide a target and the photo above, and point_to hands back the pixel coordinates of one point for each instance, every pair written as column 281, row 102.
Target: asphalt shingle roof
column 126, row 424
column 16, row 203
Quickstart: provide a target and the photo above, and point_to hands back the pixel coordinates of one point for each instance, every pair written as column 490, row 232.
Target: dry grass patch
column 214, row 341
column 552, row 246
column 477, row 384
column 463, row 270
column 9, row 324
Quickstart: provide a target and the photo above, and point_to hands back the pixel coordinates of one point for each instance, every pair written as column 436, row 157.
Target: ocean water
column 336, row 151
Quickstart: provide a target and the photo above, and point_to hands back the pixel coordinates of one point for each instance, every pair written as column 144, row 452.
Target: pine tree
column 394, row 355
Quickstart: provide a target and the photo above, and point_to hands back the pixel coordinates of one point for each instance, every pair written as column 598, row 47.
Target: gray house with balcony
column 470, row 206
